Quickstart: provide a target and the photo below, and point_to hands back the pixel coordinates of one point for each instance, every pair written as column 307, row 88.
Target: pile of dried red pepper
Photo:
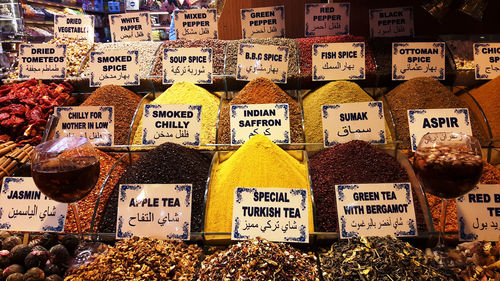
column 25, row 108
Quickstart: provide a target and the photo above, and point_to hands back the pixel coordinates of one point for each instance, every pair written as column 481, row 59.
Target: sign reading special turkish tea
column 327, row 19
column 487, row 60
column 187, row 65
column 114, row 67
column 412, row 60
column 42, row 61
column 256, row 61
column 196, row 24
column 276, row 214
column 267, row 22
column 130, row 27
column 391, row 22
column 74, row 26
column 338, row 61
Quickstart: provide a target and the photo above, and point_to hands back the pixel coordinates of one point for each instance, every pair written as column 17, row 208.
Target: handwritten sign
column 268, row 61
column 353, row 121
column 411, row 60
column 479, row 213
column 154, row 210
column 171, row 123
column 130, row 27
column 23, row 207
column 276, row 214
column 114, row 67
column 327, row 19
column 423, row 121
column 267, row 22
column 187, row 65
column 378, row 209
column 270, row 120
column 487, row 60
column 196, row 24
column 391, row 22
column 96, row 123
column 74, row 26
column 42, row 61
column 338, row 61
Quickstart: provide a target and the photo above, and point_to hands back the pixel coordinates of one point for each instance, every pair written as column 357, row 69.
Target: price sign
column 327, row 19
column 338, row 61
column 268, row 61
column 196, row 24
column 267, row 22
column 411, row 60
column 114, row 67
column 487, row 60
column 391, row 22
column 130, row 27
column 74, row 26
column 187, row 65
column 42, row 61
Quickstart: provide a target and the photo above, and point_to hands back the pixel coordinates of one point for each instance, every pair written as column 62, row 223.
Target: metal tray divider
column 132, row 124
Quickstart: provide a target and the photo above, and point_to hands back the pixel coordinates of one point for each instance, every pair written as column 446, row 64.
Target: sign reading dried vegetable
column 411, row 60
column 338, row 61
column 114, row 67
column 487, row 60
column 196, row 24
column 42, row 61
column 267, row 22
column 391, row 22
column 130, row 27
column 74, row 26
column 327, row 19
column 187, row 65
column 256, row 61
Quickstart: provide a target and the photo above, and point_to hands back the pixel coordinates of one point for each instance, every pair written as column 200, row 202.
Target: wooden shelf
column 59, row 5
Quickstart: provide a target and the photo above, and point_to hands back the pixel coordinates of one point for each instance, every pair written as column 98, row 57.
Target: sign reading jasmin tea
column 114, row 67
column 256, row 61
column 338, row 61
column 391, row 22
column 193, row 65
column 196, row 24
column 487, row 60
column 327, row 19
column 74, row 26
column 412, row 60
column 267, row 22
column 42, row 61
column 130, row 27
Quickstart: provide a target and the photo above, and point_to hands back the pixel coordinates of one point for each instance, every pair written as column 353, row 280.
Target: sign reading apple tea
column 327, row 19
column 256, row 61
column 338, row 61
column 130, row 27
column 267, row 22
column 196, row 24
column 412, row 60
column 391, row 22
column 23, row 207
column 74, row 26
column 114, row 67
column 187, row 65
column 42, row 61
column 487, row 60
column 276, row 214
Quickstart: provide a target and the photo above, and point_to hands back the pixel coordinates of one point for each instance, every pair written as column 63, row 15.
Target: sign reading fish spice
column 187, row 65
column 338, row 61
column 114, row 67
column 327, row 19
column 196, row 24
column 411, row 60
column 487, row 60
column 391, row 22
column 268, row 61
column 267, row 22
column 42, row 61
column 130, row 27
column 74, row 26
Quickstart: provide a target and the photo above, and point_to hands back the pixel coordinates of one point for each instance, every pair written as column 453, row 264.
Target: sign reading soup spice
column 411, row 60
column 276, row 214
column 23, row 207
column 391, row 22
column 114, row 67
column 130, row 27
column 423, row 121
column 377, row 209
column 196, row 24
column 267, row 22
column 42, row 61
column 327, row 19
column 154, row 210
column 487, row 60
column 187, row 65
column 268, row 61
column 338, row 61
column 74, row 26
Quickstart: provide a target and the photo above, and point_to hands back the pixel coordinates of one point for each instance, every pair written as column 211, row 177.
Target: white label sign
column 270, row 120
column 196, row 24
column 74, row 26
column 479, row 213
column 487, row 60
column 267, row 22
column 130, row 27
column 42, row 61
column 276, row 214
column 114, row 67
column 154, row 210
column 96, row 123
column 171, row 123
column 423, row 121
column 391, row 22
column 375, row 210
column 23, row 207
column 411, row 60
column 268, row 61
column 353, row 121
column 338, row 61
column 187, row 65
column 327, row 19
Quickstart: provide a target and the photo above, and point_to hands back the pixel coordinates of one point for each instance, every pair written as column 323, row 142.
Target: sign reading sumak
column 327, row 19
column 256, row 60
column 74, row 26
column 130, row 27
column 187, row 65
column 338, row 61
column 411, row 60
column 196, row 24
column 391, row 22
column 114, row 67
column 487, row 60
column 42, row 61
column 267, row 22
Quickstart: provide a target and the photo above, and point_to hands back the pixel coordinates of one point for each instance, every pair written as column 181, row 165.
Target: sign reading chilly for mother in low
column 130, row 27
column 353, row 121
column 391, row 22
column 487, row 60
column 171, row 123
column 411, row 60
column 196, row 24
column 271, row 120
column 23, row 207
column 276, row 214
column 377, row 209
column 187, row 65
column 114, row 67
column 267, row 22
column 74, row 26
column 161, row 211
column 42, row 61
column 423, row 121
column 338, row 61
column 268, row 61
column 327, row 19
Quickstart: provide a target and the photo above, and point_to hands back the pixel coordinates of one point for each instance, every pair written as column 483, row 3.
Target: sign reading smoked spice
column 423, row 121
column 114, row 67
column 130, row 27
column 391, row 22
column 327, row 19
column 23, row 207
column 268, row 61
column 267, row 22
column 487, row 60
column 338, row 61
column 74, row 26
column 154, row 210
column 196, row 24
column 377, row 209
column 271, row 120
column 187, row 65
column 171, row 123
column 96, row 123
column 479, row 213
column 353, row 121
column 42, row 61
column 276, row 214
column 411, row 60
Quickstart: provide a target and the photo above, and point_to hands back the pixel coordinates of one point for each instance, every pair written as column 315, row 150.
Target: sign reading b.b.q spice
column 256, row 61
